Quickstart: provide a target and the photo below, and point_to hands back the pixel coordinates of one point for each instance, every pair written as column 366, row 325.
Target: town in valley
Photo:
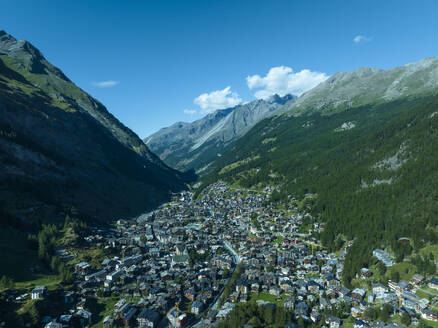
column 191, row 262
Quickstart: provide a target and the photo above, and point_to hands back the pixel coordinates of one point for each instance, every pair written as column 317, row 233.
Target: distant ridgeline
column 371, row 161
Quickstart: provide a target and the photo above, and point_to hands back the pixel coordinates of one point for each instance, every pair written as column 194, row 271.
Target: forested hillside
column 373, row 168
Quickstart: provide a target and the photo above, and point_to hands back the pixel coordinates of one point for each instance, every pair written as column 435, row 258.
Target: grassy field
column 430, row 249
column 94, row 256
column 433, row 324
column 39, row 280
column 406, row 270
column 107, row 306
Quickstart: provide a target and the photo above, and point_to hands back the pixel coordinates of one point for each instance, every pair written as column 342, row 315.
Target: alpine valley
column 311, row 210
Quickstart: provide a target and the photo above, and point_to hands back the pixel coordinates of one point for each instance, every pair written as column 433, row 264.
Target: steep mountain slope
column 60, row 148
column 196, row 145
column 373, row 167
column 369, row 86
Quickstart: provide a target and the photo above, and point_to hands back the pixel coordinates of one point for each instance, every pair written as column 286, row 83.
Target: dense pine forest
column 373, row 169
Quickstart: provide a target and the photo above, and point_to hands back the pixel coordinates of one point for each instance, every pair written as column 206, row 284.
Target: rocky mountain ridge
column 60, row 148
column 195, row 145
column 364, row 86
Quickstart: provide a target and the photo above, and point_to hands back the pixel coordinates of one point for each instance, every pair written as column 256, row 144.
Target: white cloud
column 105, row 84
column 218, row 99
column 362, row 39
column 282, row 80
column 190, row 112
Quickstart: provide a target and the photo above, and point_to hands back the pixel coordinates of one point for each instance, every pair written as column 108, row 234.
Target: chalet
column 379, row 290
column 84, row 317
column 433, row 283
column 148, row 318
column 313, row 287
column 324, row 303
column 356, row 312
column 108, row 322
column 275, row 291
column 255, row 287
column 365, row 273
column 383, row 256
column 126, row 314
column 302, row 310
column 197, row 307
column 99, row 275
column 332, row 281
column 344, row 292
column 417, row 280
column 286, row 285
column 360, row 324
column 332, row 321
column 190, row 294
column 180, row 250
column 177, row 319
column 119, row 304
column 113, row 276
column 242, row 286
column 315, row 316
column 39, row 292
column 65, row 319
column 234, row 296
column 429, row 315
column 289, row 303
column 208, row 292
column 358, row 294
column 82, row 267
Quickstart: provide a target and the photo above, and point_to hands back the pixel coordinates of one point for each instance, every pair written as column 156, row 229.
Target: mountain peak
column 18, row 48
column 6, row 41
column 27, row 56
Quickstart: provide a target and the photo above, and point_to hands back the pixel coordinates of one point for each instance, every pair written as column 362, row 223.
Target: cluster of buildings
column 170, row 267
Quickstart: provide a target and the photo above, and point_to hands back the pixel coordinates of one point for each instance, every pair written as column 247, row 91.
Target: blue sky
column 153, row 63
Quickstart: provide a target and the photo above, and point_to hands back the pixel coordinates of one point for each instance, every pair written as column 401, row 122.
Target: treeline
column 376, row 183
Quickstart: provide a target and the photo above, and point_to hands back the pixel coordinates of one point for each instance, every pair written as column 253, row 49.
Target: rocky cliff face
column 60, row 148
column 195, row 145
column 366, row 85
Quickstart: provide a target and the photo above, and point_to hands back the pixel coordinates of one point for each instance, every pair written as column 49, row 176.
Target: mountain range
column 196, row 145
column 366, row 85
column 60, row 149
column 361, row 147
